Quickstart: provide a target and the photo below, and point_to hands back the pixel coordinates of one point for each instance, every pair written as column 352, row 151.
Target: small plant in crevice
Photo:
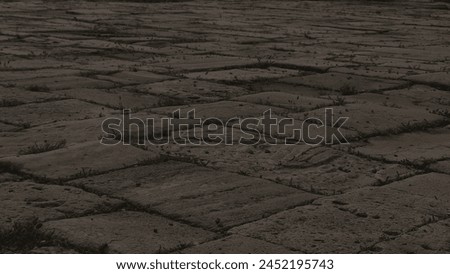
column 23, row 235
column 338, row 101
column 43, row 147
column 264, row 62
column 347, row 89
column 10, row 103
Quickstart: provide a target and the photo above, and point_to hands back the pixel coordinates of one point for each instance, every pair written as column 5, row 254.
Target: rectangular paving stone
column 50, row 112
column 246, row 75
column 71, row 132
column 17, row 76
column 188, row 90
column 241, row 158
column 331, row 172
column 417, row 97
column 435, row 100
column 346, row 84
column 206, row 197
column 80, row 160
column 127, row 232
column 440, row 79
column 17, row 96
column 433, row 238
column 378, row 71
column 311, row 63
column 113, row 98
column 223, row 110
column 66, row 82
column 370, row 119
column 134, row 77
column 415, row 147
column 285, row 100
column 432, row 185
column 24, row 201
column 200, row 62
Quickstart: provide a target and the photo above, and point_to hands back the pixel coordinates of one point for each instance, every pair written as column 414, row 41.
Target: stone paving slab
column 237, row 75
column 236, row 244
column 127, row 232
column 34, row 140
column 17, row 76
column 423, row 97
column 65, row 82
column 346, row 84
column 440, row 79
column 371, row 119
column 134, row 77
column 209, row 198
column 331, row 172
column 223, row 110
column 66, row 68
column 188, row 90
column 76, row 160
column 285, row 100
column 48, row 112
column 22, row 201
column 15, row 96
column 432, row 238
column 200, row 62
column 349, row 223
column 113, row 98
column 414, row 147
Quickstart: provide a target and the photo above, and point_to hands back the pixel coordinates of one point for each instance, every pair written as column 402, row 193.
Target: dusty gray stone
column 127, row 232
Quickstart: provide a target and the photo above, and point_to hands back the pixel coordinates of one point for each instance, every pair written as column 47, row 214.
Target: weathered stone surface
column 67, row 132
column 440, row 79
column 188, row 90
column 351, row 222
column 21, row 201
column 48, row 112
column 328, row 171
column 236, row 244
column 414, row 147
column 344, row 83
column 52, row 250
column 371, row 119
column 241, row 158
column 441, row 166
column 223, row 110
column 201, row 62
column 65, row 69
column 134, row 77
column 116, row 98
column 206, row 197
column 127, row 232
column 432, row 238
column 67, row 82
column 285, row 100
column 8, row 128
column 16, row 96
column 237, row 75
column 81, row 160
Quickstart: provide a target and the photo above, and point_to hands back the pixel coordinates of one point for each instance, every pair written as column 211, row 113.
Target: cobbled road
column 65, row 66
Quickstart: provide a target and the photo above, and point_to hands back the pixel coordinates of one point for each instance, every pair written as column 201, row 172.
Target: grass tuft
column 44, row 147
